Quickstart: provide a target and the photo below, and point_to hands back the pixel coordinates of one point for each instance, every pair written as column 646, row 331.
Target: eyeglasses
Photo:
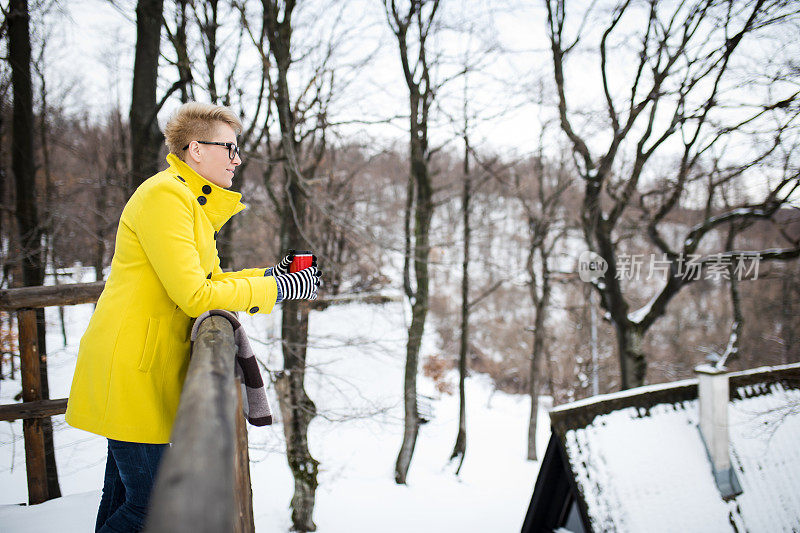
column 233, row 150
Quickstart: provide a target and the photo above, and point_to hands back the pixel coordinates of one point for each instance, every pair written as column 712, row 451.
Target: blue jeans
column 130, row 474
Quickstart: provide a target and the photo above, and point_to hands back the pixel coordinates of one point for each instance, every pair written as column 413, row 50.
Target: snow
column 637, row 316
column 622, row 394
column 68, row 513
column 356, row 359
column 710, row 369
column 651, row 473
column 762, row 369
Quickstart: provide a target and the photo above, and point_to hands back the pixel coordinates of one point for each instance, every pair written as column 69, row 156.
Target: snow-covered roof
column 639, row 462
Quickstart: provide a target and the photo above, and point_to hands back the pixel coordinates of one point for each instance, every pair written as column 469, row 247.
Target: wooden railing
column 24, row 301
column 203, row 483
column 50, row 295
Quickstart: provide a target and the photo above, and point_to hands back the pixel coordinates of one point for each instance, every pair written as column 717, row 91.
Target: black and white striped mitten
column 300, row 285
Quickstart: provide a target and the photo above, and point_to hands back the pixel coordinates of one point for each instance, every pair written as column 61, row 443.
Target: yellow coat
column 133, row 357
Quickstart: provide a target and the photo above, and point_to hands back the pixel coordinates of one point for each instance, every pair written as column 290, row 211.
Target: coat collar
column 218, row 204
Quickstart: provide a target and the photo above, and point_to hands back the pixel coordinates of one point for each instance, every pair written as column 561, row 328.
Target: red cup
column 301, row 261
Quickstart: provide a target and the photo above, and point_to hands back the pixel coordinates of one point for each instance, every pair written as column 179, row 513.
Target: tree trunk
column 29, row 227
column 22, row 162
column 419, row 308
column 50, row 239
column 788, row 314
column 4, row 240
column 100, row 205
column 146, row 137
column 297, row 411
column 181, row 50
column 540, row 297
column 632, row 361
column 297, row 408
column 536, row 356
column 208, row 29
column 421, row 95
column 409, row 206
column 460, row 448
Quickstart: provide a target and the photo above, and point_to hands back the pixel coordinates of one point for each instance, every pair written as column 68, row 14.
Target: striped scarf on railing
column 254, row 397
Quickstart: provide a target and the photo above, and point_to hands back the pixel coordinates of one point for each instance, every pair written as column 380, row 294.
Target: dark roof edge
column 581, row 413
column 555, row 486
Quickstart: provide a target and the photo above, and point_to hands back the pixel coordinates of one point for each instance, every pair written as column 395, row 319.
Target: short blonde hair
column 194, row 121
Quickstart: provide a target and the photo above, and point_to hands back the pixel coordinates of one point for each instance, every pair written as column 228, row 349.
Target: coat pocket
column 149, row 345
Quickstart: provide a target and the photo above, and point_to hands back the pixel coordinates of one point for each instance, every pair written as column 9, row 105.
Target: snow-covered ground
column 356, row 356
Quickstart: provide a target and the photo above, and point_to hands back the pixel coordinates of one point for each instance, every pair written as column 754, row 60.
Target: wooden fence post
column 32, row 391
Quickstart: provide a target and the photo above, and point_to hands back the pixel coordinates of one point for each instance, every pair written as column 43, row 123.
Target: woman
column 133, row 357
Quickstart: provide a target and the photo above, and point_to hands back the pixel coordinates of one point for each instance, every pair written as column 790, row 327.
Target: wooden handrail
column 82, row 293
column 195, row 489
column 50, row 295
column 36, row 409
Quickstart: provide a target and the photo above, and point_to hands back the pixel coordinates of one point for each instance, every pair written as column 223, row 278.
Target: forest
column 478, row 161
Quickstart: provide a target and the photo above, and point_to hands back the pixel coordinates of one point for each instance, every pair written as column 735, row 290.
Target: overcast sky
column 90, row 46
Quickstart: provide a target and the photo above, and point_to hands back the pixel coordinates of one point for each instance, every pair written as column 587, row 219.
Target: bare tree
column 178, row 38
column 206, row 14
column 50, row 230
column 29, row 226
column 460, row 446
column 106, row 149
column 296, row 407
column 541, row 190
column 477, row 54
column 683, row 72
column 411, row 26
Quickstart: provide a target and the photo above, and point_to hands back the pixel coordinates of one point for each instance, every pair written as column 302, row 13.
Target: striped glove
column 300, row 285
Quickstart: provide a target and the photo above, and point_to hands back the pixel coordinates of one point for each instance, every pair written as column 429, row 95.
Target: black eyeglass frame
column 233, row 149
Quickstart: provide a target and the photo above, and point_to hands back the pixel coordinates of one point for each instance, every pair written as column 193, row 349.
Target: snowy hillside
column 356, row 359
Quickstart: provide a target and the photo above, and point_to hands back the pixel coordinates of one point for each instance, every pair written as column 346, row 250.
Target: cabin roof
column 638, row 462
